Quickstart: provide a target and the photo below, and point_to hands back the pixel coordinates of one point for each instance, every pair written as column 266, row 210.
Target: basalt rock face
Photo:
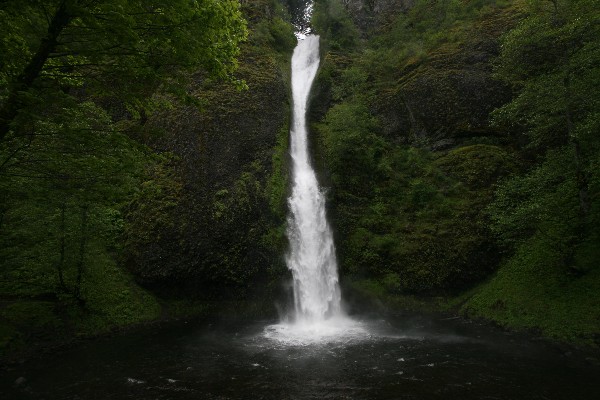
column 448, row 97
column 409, row 188
column 224, row 154
column 445, row 96
column 220, row 228
column 368, row 15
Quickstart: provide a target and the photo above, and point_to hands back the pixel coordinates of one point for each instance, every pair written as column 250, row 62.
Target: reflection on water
column 410, row 358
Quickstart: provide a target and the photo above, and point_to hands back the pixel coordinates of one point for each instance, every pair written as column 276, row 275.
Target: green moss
column 31, row 314
column 478, row 166
column 532, row 292
column 278, row 182
column 368, row 295
column 113, row 300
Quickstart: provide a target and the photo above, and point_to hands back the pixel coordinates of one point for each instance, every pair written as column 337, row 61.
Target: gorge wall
column 456, row 140
column 438, row 142
column 216, row 226
column 414, row 112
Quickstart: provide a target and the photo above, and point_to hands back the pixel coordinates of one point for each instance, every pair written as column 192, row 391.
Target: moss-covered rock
column 404, row 141
column 434, row 185
column 478, row 166
column 221, row 233
column 446, row 96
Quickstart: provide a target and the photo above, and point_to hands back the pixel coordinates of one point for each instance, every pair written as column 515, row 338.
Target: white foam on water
column 335, row 330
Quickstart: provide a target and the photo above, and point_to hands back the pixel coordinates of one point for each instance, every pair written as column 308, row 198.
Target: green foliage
column 410, row 219
column 544, row 199
column 277, row 186
column 547, row 218
column 63, row 192
column 557, row 78
column 253, row 253
column 276, row 33
column 115, row 47
column 78, row 80
column 478, row 166
column 416, row 35
column 274, row 240
column 331, row 20
column 351, row 144
column 150, row 211
column 531, row 292
column 61, row 223
column 113, row 300
column 552, row 57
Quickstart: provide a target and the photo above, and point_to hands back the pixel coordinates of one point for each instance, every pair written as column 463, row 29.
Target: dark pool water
column 408, row 357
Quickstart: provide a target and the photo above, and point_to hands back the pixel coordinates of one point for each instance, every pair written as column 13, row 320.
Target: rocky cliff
column 222, row 228
column 410, row 212
column 454, row 140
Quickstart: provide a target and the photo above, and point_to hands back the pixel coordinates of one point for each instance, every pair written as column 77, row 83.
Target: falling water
column 312, row 254
column 318, row 315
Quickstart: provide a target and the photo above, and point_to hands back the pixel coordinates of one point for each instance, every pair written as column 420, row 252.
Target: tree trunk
column 24, row 81
column 61, row 261
column 81, row 258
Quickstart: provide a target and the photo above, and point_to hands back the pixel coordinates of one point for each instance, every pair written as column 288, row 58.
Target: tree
column 122, row 48
column 73, row 76
column 553, row 59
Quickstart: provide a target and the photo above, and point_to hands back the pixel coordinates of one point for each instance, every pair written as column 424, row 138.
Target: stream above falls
column 405, row 357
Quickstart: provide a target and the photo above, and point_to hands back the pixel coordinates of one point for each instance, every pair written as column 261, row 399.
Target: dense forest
column 144, row 160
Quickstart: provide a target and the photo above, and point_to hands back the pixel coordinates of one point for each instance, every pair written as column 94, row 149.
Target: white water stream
column 317, row 298
column 312, row 253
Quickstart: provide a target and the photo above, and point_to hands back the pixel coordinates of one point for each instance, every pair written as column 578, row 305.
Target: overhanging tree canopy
column 110, row 47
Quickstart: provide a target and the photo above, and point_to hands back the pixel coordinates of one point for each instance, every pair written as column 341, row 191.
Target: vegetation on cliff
column 97, row 176
column 460, row 139
column 410, row 154
column 143, row 158
column 547, row 218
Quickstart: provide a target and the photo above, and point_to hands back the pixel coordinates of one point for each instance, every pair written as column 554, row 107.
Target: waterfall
column 318, row 316
column 311, row 257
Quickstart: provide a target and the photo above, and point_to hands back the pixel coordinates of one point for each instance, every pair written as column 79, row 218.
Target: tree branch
column 10, row 108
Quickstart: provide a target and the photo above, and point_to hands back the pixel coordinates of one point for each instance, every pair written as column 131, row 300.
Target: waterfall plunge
column 312, row 254
column 318, row 315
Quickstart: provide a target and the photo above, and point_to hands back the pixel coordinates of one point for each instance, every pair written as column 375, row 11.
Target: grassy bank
column 565, row 311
